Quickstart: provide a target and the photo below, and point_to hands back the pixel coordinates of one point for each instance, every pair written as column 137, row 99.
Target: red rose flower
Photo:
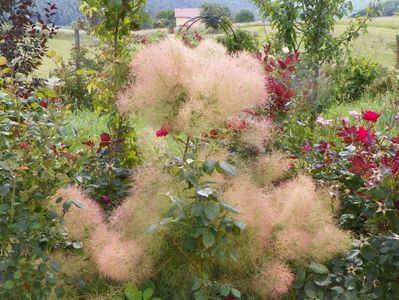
column 371, row 116
column 164, row 130
column 105, row 139
column 365, row 136
column 44, row 103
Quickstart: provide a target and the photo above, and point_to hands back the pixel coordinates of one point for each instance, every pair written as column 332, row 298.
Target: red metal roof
column 187, row 12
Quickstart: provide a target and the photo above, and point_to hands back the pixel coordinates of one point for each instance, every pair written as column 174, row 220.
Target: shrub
column 242, row 40
column 369, row 162
column 352, row 78
column 213, row 12
column 385, row 83
column 76, row 75
column 369, row 270
column 245, row 16
column 165, row 18
column 22, row 42
column 34, row 162
column 187, row 93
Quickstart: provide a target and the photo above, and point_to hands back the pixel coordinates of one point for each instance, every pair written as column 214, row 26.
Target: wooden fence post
column 77, row 47
column 77, row 38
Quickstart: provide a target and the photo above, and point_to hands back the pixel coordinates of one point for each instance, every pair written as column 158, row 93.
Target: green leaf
column 350, row 283
column 59, row 292
column 148, row 294
column 78, row 204
column 211, row 210
column 322, row 280
column 224, row 290
column 225, row 168
column 205, row 192
column 208, row 239
column 240, row 225
column 310, row 290
column 236, row 293
column 337, row 289
column 17, row 275
column 230, row 208
column 300, row 277
column 368, row 252
column 67, row 205
column 8, row 284
column 4, row 190
column 209, row 166
column 192, row 179
column 197, row 209
column 55, row 266
column 51, row 280
column 318, row 268
column 5, row 207
column 132, row 292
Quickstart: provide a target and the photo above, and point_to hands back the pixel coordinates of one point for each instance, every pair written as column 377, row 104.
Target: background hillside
column 69, row 9
column 388, row 8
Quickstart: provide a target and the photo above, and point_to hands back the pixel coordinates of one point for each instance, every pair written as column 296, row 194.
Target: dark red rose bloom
column 365, row 136
column 89, row 143
column 163, row 131
column 371, row 116
column 105, row 199
column 44, row 103
column 105, row 139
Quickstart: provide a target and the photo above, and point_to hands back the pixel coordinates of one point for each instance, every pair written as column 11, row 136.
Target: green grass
column 382, row 22
column 85, row 125
column 378, row 42
column 62, row 45
column 385, row 105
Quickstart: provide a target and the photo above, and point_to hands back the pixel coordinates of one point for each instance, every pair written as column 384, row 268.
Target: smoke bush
column 79, row 221
column 270, row 168
column 192, row 89
column 292, row 223
column 274, row 280
column 116, row 257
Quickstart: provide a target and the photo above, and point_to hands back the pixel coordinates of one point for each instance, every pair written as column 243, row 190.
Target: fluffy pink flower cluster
column 291, row 223
column 193, row 90
column 114, row 255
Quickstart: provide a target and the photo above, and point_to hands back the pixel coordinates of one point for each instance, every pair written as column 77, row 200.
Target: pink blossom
column 355, row 114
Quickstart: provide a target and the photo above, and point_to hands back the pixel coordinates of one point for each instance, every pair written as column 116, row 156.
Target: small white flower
column 286, row 50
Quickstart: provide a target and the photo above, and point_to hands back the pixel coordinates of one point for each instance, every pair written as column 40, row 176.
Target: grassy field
column 62, row 45
column 378, row 42
column 383, row 22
